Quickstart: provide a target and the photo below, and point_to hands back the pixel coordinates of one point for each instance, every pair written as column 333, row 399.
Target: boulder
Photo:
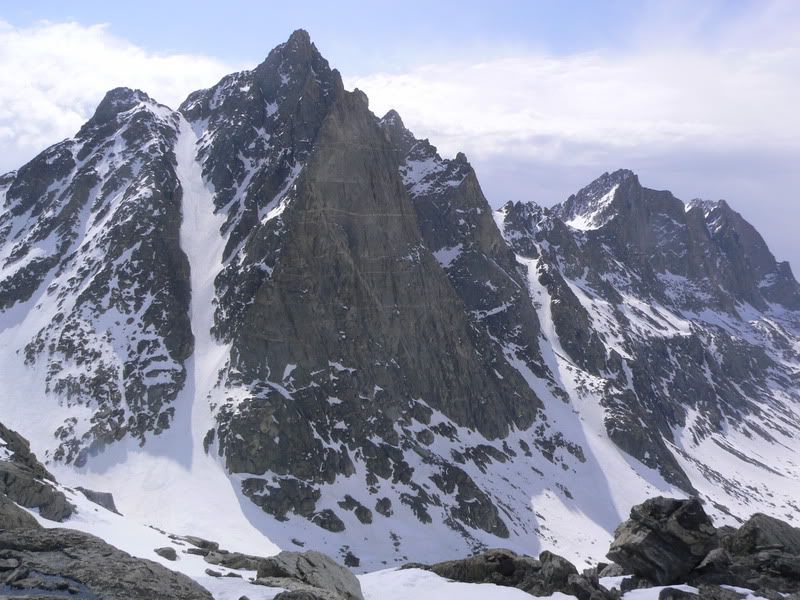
column 59, row 562
column 233, row 560
column 21, row 453
column 676, row 594
column 543, row 577
column 303, row 595
column 198, row 542
column 298, row 588
column 25, row 486
column 14, row 517
column 314, row 569
column 167, row 552
column 762, row 532
column 715, row 592
column 664, row 539
column 26, row 482
column 763, row 554
column 611, row 570
column 104, row 499
column 300, row 595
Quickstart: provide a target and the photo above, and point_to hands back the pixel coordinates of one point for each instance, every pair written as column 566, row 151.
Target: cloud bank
column 546, row 107
column 703, row 111
column 55, row 74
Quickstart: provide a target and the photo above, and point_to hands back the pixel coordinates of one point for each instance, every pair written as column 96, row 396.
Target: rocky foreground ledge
column 666, row 542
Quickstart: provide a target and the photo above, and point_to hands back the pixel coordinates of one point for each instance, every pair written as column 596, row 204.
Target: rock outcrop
column 14, row 517
column 311, row 573
column 103, row 499
column 63, row 561
column 664, row 539
column 668, row 542
column 544, row 576
column 763, row 554
column 24, row 480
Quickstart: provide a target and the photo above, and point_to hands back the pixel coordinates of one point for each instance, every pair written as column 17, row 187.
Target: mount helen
column 273, row 317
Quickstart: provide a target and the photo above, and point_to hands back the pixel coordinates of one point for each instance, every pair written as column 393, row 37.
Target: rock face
column 336, row 318
column 664, row 539
column 55, row 561
column 24, row 480
column 326, row 578
column 385, row 356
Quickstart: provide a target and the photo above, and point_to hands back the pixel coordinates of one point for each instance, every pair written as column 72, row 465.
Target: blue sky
column 364, row 36
column 345, row 28
column 543, row 96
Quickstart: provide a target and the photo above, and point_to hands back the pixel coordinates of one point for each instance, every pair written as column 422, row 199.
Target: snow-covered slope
column 272, row 319
column 423, row 585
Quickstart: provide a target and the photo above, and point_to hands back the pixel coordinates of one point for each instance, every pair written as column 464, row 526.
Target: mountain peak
column 298, row 49
column 299, row 38
column 118, row 100
column 591, row 208
column 619, row 175
column 707, row 206
column 392, row 118
column 296, row 62
column 398, row 134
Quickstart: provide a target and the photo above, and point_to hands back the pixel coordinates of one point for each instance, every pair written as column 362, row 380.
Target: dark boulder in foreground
column 704, row 592
column 544, row 576
column 61, row 562
column 762, row 532
column 310, row 573
column 664, row 539
column 670, row 542
column 763, row 554
column 305, row 595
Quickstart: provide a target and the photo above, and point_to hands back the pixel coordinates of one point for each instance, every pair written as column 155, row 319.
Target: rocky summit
column 287, row 317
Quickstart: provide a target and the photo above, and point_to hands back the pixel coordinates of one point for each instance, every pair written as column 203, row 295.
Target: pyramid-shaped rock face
column 350, row 343
column 275, row 277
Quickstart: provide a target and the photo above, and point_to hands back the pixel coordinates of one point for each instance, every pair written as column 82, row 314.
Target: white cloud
column 699, row 101
column 54, row 74
column 546, row 107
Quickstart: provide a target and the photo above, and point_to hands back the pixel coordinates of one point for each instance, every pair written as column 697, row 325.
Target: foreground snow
column 423, row 585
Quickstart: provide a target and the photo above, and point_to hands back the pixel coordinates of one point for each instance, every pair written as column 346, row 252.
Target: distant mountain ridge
column 274, row 289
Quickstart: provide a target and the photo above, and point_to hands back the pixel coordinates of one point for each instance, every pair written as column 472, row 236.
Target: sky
column 701, row 98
